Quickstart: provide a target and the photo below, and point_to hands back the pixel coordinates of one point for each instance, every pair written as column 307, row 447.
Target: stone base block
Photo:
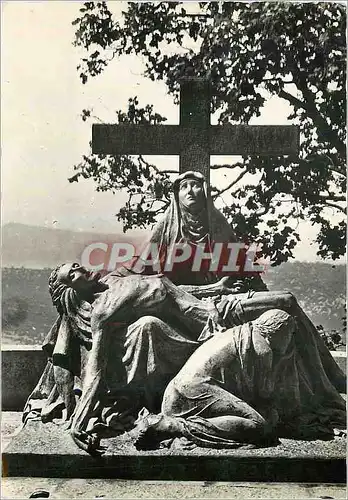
column 48, row 451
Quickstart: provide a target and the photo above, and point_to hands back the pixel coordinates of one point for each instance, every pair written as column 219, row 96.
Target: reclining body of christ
column 119, row 340
column 118, row 345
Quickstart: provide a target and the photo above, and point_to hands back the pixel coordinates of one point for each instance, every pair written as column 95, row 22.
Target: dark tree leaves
column 251, row 51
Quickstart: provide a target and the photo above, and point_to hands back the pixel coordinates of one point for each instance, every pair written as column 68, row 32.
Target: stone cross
column 195, row 139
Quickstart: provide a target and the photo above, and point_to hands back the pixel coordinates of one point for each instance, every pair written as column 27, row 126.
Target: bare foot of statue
column 153, row 429
column 88, row 442
column 183, row 443
column 65, row 425
column 340, row 433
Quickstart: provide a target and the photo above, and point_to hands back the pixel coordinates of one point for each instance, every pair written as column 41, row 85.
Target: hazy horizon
column 20, row 248
column 43, row 135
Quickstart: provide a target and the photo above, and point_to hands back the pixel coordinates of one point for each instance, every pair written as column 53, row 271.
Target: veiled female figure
column 191, row 224
column 192, row 219
column 245, row 385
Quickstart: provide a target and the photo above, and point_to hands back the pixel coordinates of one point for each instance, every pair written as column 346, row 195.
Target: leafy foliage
column 296, row 51
column 148, row 188
column 332, row 338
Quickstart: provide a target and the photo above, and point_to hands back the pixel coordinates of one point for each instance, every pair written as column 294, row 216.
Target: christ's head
column 78, row 277
column 73, row 276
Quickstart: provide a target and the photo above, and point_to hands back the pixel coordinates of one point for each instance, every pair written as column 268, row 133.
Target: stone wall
column 22, row 367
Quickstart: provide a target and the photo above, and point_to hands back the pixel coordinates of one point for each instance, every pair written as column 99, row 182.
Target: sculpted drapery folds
column 106, row 340
column 191, row 226
column 119, row 340
column 246, row 385
column 131, row 354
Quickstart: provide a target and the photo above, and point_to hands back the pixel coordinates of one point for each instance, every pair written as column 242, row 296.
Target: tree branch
column 338, row 172
column 333, row 198
column 325, row 131
column 233, row 183
column 292, row 99
column 227, row 165
column 332, row 165
column 337, row 207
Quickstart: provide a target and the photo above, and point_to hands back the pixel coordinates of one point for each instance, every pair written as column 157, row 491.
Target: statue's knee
column 147, row 322
column 144, row 325
column 288, row 301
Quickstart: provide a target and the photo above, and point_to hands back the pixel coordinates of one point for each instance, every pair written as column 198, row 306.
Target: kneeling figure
column 242, row 386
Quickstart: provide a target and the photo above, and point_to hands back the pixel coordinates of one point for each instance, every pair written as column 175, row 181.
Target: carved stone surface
column 194, row 134
column 45, row 450
column 118, row 342
column 13, row 375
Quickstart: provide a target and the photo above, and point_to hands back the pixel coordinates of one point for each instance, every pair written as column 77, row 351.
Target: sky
column 43, row 135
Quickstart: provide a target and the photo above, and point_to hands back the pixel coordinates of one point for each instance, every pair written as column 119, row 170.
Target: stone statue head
column 190, row 191
column 72, row 276
column 277, row 326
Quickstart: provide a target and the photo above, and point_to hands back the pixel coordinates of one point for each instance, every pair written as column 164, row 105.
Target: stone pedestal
column 48, row 451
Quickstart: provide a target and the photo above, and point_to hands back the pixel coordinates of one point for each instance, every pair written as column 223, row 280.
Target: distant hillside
column 27, row 311
column 40, row 247
column 320, row 288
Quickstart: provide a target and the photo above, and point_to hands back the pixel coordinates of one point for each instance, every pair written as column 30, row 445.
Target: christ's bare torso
column 132, row 297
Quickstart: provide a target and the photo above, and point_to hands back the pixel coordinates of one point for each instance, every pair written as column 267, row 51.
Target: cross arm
column 175, row 139
column 129, row 139
column 273, row 140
